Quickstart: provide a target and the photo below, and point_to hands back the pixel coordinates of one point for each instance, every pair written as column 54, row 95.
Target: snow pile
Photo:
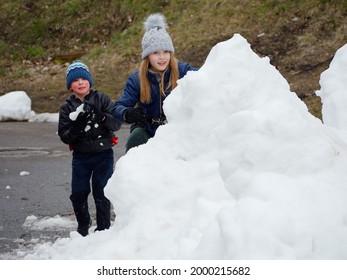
column 241, row 171
column 15, row 106
column 333, row 91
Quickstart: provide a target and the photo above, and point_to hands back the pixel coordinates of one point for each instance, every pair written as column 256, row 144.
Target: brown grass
column 299, row 37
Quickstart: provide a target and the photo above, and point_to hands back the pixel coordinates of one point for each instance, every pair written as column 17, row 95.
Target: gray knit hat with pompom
column 156, row 38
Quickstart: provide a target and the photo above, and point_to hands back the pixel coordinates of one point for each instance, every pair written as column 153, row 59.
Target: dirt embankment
column 300, row 43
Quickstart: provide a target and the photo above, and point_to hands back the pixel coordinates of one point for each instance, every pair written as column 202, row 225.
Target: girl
column 141, row 103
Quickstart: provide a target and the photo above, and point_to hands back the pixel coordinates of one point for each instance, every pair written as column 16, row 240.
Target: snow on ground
column 16, row 106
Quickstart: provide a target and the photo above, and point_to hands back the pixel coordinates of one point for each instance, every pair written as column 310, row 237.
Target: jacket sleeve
column 129, row 98
column 183, row 68
column 65, row 126
column 111, row 122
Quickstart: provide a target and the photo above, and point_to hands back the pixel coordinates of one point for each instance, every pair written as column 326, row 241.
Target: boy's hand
column 100, row 116
column 80, row 123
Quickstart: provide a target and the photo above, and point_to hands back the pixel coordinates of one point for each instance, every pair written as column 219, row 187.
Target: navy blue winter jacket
column 131, row 96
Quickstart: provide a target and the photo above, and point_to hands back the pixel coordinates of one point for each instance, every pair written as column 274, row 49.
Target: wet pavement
column 35, row 174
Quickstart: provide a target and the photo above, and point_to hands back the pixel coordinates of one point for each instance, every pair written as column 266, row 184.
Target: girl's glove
column 136, row 115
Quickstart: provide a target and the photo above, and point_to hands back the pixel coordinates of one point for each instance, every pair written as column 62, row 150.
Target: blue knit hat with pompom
column 156, row 38
column 76, row 70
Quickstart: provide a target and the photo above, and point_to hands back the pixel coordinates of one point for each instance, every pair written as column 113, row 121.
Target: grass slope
column 38, row 38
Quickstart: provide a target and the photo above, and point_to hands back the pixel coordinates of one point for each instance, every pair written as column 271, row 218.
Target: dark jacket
column 97, row 137
column 131, row 96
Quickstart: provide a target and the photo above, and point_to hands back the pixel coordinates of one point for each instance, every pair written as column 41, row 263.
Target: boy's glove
column 80, row 123
column 136, row 115
column 88, row 106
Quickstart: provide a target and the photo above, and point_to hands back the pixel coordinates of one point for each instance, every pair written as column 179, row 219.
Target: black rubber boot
column 84, row 229
column 80, row 206
column 103, row 214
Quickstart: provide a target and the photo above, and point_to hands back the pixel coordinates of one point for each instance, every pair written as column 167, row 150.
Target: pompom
column 155, row 20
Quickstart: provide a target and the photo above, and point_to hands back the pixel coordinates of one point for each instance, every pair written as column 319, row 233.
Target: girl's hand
column 136, row 115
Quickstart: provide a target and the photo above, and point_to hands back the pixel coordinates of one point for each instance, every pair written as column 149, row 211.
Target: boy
column 86, row 124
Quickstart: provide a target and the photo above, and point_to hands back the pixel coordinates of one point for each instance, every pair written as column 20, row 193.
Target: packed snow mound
column 333, row 93
column 15, row 106
column 241, row 171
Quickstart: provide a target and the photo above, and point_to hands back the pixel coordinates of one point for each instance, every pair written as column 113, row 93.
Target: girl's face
column 80, row 87
column 159, row 60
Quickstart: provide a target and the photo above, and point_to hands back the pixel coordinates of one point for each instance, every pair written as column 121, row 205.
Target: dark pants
column 137, row 137
column 97, row 168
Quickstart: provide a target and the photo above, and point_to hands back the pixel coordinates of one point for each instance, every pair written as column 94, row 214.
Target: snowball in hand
column 73, row 115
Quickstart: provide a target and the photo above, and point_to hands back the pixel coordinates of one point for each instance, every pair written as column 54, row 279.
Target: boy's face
column 80, row 87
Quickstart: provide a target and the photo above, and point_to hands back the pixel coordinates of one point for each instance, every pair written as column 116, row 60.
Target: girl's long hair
column 145, row 89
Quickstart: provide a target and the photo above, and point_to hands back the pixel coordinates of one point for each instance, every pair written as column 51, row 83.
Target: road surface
column 35, row 174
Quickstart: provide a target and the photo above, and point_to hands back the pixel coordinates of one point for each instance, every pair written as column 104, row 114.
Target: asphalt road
column 36, row 150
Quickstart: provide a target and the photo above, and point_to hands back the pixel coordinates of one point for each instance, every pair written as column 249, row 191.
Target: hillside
column 38, row 39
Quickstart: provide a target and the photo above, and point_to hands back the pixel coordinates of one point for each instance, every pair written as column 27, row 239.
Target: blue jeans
column 97, row 169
